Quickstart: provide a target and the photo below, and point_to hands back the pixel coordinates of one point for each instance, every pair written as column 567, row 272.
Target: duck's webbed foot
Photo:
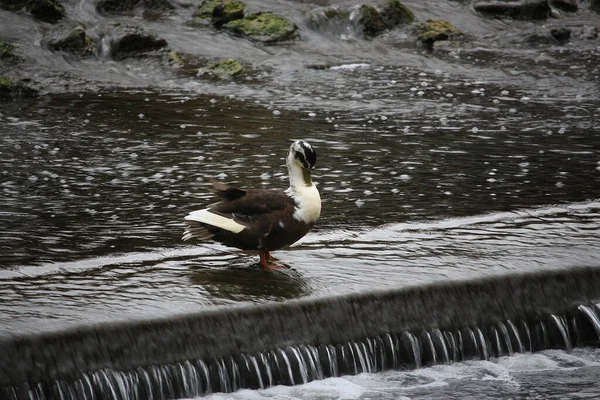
column 267, row 262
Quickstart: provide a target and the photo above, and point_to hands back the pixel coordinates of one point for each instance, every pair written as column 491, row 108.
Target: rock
column 226, row 69
column 205, row 10
column 368, row 20
column 561, row 35
column 219, row 12
column 135, row 42
column 13, row 5
column 7, row 53
column 76, row 42
column 564, row 5
column 325, row 16
column 46, row 10
column 128, row 6
column 395, row 13
column 265, row 27
column 10, row 88
column 332, row 19
column 175, row 59
column 595, row 5
column 375, row 20
column 226, row 11
column 525, row 9
column 371, row 21
column 555, row 36
column 433, row 30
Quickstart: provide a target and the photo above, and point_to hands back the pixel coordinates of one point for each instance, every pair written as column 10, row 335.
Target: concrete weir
column 299, row 341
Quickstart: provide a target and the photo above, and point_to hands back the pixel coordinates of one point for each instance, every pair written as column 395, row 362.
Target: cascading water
column 174, row 359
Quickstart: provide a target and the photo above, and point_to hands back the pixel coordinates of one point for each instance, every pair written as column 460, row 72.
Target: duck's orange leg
column 266, row 261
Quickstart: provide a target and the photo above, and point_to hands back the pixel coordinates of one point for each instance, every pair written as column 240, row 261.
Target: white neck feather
column 305, row 194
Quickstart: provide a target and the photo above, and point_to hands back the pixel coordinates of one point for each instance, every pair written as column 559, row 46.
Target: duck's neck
column 299, row 178
column 305, row 194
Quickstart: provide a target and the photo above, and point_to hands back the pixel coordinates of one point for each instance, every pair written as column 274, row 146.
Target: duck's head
column 302, row 156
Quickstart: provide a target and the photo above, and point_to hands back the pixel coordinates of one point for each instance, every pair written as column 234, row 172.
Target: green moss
column 265, row 27
column 6, row 85
column 437, row 29
column 227, row 69
column 371, row 21
column 10, row 88
column 226, row 11
column 7, row 52
column 395, row 13
column 175, row 58
column 233, row 6
column 220, row 12
column 375, row 20
column 205, row 10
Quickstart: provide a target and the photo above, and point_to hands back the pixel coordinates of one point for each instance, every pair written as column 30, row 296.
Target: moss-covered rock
column 325, row 17
column 11, row 88
column 395, row 13
column 7, row 53
column 128, row 6
column 371, row 21
column 226, row 11
column 219, row 12
column 227, row 69
column 134, row 42
column 375, row 20
column 265, row 27
column 50, row 11
column 205, row 9
column 565, row 5
column 76, row 42
column 436, row 29
column 175, row 59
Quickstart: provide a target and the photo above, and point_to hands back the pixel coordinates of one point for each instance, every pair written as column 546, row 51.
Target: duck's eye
column 300, row 157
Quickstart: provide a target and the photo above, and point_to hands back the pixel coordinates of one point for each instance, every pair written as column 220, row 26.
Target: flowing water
column 433, row 168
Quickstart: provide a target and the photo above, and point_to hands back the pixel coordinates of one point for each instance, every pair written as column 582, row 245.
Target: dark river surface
column 95, row 187
column 431, row 167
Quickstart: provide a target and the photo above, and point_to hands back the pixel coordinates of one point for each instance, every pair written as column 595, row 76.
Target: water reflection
column 248, row 283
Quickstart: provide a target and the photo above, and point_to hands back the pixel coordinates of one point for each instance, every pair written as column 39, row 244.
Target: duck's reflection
column 248, row 282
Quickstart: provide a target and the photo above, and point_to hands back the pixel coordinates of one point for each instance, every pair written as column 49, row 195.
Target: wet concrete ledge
column 65, row 355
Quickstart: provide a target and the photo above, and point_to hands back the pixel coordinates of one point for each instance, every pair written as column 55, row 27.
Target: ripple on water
column 332, row 261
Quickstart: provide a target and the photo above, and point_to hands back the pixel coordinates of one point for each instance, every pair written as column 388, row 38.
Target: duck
column 262, row 219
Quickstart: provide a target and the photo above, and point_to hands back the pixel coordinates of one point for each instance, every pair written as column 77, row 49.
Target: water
column 433, row 167
column 550, row 374
column 93, row 209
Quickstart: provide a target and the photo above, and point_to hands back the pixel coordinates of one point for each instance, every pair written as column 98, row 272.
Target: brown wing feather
column 225, row 191
column 255, row 202
column 260, row 210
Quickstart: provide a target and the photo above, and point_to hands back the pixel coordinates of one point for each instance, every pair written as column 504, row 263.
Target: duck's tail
column 198, row 224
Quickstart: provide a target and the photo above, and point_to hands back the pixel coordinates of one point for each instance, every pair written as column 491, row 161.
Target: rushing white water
column 526, row 376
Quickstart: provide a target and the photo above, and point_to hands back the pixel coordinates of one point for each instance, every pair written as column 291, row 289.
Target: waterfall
column 300, row 341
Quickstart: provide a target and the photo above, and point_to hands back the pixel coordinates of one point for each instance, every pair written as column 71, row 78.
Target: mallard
column 262, row 219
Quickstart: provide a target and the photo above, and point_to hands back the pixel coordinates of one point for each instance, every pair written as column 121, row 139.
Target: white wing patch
column 208, row 218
